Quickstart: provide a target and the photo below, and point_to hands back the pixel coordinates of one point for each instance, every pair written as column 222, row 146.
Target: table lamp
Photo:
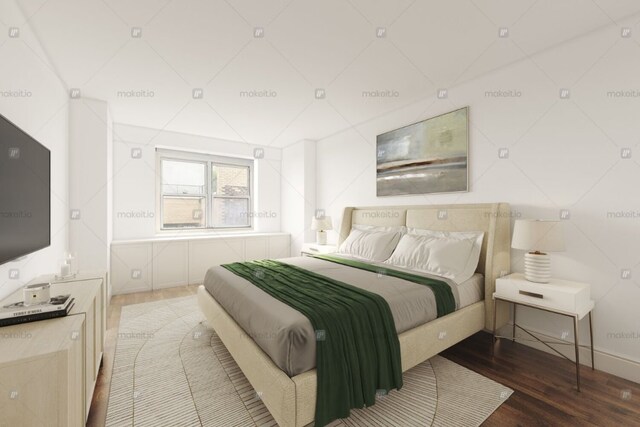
column 538, row 237
column 320, row 226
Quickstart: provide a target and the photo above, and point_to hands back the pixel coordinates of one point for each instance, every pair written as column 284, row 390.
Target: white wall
column 90, row 169
column 563, row 154
column 299, row 192
column 33, row 97
column 134, row 180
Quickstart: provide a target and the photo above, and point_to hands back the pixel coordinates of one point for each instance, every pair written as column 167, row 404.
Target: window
column 198, row 191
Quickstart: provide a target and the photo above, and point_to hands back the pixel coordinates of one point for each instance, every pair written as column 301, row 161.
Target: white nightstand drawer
column 558, row 294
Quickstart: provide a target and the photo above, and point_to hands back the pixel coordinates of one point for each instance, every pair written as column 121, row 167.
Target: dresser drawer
column 557, row 294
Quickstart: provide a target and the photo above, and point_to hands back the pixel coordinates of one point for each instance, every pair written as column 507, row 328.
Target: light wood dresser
column 49, row 368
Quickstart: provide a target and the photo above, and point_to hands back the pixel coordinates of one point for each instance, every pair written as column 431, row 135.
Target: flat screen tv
column 25, row 193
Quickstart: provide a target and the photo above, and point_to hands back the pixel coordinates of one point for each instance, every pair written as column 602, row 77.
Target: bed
column 289, row 389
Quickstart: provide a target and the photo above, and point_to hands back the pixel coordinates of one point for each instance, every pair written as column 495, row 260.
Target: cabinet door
column 131, row 268
column 204, row 254
column 256, row 248
column 170, row 264
column 100, row 326
column 78, row 405
column 90, row 353
column 44, row 388
column 279, row 246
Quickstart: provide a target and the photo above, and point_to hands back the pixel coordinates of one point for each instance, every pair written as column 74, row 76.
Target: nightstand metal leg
column 593, row 362
column 493, row 340
column 515, row 308
column 575, row 339
column 495, row 304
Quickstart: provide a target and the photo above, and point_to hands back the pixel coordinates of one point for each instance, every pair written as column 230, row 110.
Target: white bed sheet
column 471, row 290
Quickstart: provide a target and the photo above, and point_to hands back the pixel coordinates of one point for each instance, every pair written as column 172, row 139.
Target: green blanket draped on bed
column 357, row 348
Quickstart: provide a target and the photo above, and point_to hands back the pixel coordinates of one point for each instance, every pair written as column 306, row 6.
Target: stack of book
column 15, row 313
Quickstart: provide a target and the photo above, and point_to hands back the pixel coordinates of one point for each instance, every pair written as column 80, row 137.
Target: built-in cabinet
column 131, row 268
column 171, row 266
column 144, row 265
column 42, row 384
column 49, row 368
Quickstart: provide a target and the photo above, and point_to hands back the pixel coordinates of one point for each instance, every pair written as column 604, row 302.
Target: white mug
column 38, row 293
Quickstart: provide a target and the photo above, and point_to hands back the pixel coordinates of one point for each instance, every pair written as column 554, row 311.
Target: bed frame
column 292, row 400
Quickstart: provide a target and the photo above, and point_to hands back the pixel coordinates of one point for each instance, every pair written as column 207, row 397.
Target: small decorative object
column 538, row 237
column 426, row 157
column 320, row 226
column 67, row 267
column 72, row 260
column 37, row 293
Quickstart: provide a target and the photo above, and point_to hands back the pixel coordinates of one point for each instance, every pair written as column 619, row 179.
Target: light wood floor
column 544, row 384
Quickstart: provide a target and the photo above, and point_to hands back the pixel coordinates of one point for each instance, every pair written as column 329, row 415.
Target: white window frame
column 209, row 160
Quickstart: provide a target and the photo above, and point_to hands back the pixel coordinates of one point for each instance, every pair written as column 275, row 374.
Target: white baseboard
column 606, row 362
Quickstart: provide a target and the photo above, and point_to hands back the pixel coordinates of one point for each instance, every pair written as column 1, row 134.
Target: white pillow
column 372, row 245
column 453, row 255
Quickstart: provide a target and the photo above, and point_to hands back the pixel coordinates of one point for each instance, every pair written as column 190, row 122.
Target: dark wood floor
column 544, row 384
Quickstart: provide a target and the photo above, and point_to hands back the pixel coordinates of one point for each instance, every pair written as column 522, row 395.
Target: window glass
column 183, row 212
column 180, row 177
column 230, row 180
column 230, row 212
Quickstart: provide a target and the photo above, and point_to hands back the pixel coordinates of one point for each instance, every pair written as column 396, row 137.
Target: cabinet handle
column 532, row 294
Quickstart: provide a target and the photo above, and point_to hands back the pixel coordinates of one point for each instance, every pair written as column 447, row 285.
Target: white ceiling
column 331, row 45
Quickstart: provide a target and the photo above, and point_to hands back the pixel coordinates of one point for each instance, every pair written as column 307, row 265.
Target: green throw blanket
column 357, row 348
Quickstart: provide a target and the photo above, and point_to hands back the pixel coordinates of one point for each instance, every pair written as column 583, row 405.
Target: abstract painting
column 426, row 157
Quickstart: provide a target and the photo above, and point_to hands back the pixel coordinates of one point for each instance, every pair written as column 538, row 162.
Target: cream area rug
column 170, row 369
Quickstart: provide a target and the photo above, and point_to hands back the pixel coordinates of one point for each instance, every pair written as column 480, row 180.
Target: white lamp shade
column 538, row 235
column 321, row 224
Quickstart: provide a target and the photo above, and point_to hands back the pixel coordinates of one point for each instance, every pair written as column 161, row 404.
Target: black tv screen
column 25, row 193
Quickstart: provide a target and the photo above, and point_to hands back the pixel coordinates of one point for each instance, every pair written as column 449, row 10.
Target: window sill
column 172, row 237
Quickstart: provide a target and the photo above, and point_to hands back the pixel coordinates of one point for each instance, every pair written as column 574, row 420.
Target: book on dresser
column 15, row 313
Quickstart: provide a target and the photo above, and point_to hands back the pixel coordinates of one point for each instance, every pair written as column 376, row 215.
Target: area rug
column 170, row 369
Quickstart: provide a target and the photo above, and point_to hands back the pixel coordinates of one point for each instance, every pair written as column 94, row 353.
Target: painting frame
column 402, row 173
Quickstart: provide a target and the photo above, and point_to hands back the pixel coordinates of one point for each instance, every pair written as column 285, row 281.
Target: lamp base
column 321, row 237
column 537, row 267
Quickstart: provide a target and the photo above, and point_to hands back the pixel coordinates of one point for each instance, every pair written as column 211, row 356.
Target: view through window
column 199, row 191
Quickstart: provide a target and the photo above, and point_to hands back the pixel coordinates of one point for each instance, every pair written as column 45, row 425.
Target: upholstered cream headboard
column 492, row 218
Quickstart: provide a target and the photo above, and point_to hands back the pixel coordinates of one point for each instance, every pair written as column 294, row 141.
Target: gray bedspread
column 286, row 335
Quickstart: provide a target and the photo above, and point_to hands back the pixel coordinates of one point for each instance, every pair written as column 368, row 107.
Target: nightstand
column 316, row 249
column 571, row 299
